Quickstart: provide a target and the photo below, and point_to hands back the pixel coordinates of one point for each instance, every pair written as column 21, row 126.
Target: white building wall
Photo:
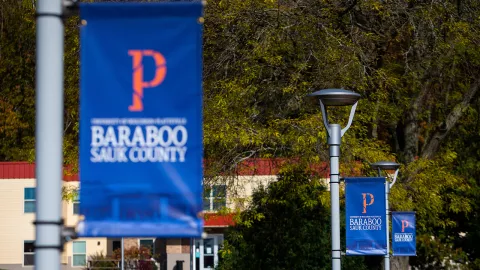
column 15, row 225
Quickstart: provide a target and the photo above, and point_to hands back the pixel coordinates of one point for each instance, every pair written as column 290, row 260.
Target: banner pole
column 386, row 260
column 49, row 133
column 335, row 97
column 387, row 217
column 123, row 255
column 334, row 140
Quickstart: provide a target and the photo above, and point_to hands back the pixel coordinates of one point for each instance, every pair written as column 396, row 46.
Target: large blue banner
column 403, row 234
column 141, row 119
column 365, row 213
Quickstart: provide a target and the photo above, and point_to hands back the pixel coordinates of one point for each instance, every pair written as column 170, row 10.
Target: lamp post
column 335, row 97
column 379, row 166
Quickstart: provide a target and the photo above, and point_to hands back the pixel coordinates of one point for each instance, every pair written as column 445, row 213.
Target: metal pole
column 49, row 133
column 123, row 255
column 191, row 253
column 334, row 140
column 386, row 261
column 387, row 256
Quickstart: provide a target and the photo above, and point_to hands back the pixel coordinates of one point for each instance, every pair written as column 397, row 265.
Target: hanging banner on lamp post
column 141, row 119
column 403, row 234
column 365, row 214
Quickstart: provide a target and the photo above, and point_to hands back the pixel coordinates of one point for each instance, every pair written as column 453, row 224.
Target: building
column 17, row 213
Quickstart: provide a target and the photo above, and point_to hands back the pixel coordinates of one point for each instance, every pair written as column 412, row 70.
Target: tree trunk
column 411, row 128
column 411, row 136
column 375, row 121
column 399, row 263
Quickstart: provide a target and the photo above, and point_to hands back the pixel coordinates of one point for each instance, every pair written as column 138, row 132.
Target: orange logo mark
column 138, row 81
column 365, row 204
column 404, row 224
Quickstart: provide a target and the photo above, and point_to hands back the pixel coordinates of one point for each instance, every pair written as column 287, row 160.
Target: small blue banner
column 141, row 135
column 366, row 216
column 403, row 234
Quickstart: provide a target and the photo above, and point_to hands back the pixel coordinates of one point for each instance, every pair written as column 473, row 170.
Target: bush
column 99, row 260
column 137, row 258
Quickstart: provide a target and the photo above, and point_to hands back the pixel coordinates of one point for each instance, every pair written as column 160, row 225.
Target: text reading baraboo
column 130, row 140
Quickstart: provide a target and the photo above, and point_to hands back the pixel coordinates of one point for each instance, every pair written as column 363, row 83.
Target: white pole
column 387, row 256
column 388, row 186
column 336, row 97
column 192, row 252
column 123, row 255
column 334, row 140
column 49, row 133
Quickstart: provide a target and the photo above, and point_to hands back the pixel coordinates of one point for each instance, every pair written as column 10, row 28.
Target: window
column 76, row 205
column 76, row 208
column 148, row 243
column 215, row 198
column 29, row 200
column 116, row 244
column 79, row 253
column 28, row 253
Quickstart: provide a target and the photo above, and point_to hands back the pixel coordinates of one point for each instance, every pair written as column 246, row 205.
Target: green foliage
column 286, row 226
column 415, row 63
column 17, row 73
column 467, row 165
column 17, row 85
column 69, row 193
column 433, row 181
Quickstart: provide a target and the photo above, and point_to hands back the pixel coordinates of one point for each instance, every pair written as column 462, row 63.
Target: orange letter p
column 138, row 83
column 365, row 204
column 404, row 224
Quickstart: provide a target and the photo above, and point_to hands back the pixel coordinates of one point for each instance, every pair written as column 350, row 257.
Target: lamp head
column 385, row 165
column 336, row 97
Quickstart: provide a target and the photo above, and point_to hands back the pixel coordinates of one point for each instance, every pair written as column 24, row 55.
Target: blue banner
column 403, row 234
column 141, row 119
column 366, row 216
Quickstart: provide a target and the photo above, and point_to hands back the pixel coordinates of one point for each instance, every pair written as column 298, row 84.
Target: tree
column 286, row 226
column 17, row 73
column 415, row 63
column 17, row 84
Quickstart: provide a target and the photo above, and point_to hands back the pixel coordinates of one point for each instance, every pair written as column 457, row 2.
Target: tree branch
column 441, row 132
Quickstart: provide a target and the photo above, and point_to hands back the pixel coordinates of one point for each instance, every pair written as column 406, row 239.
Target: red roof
column 26, row 170
column 271, row 166
column 253, row 166
column 9, row 170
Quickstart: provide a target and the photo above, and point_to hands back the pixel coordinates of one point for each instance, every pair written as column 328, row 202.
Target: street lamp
column 387, row 166
column 335, row 97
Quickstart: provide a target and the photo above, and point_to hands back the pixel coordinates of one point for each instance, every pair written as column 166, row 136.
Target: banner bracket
column 41, row 222
column 66, row 234
column 70, row 8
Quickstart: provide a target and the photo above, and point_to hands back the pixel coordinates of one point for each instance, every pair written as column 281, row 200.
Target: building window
column 79, row 253
column 29, row 200
column 76, row 208
column 76, row 205
column 28, row 253
column 215, row 198
column 116, row 245
column 148, row 243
